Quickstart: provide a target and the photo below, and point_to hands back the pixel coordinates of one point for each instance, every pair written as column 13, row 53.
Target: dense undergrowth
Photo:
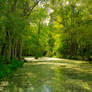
column 9, row 67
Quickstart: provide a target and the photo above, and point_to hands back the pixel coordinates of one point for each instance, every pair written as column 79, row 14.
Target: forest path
column 51, row 76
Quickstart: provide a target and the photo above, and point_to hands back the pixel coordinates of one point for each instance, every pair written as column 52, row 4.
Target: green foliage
column 60, row 28
column 8, row 68
column 72, row 20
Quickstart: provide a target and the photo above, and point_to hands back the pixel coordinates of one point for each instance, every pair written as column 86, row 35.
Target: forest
column 60, row 28
column 44, row 28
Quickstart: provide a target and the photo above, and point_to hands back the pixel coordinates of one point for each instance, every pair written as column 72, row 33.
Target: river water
column 39, row 77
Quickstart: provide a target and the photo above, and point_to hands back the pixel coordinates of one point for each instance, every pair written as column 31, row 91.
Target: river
column 43, row 76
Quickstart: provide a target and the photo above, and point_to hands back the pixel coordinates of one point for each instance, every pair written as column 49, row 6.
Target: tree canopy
column 60, row 28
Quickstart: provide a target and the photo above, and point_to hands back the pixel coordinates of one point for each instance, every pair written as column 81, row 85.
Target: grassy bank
column 8, row 67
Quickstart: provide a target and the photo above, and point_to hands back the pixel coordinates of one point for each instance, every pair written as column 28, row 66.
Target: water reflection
column 33, row 78
column 45, row 88
column 43, row 78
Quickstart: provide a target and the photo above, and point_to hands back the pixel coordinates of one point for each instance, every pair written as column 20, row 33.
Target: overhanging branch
column 31, row 9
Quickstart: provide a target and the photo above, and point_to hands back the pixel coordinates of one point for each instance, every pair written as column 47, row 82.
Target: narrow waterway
column 35, row 77
column 42, row 77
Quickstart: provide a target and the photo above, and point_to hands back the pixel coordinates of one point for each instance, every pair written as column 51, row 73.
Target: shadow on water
column 46, row 78
column 29, row 79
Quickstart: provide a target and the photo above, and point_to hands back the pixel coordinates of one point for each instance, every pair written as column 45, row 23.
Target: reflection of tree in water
column 30, row 79
column 16, row 83
column 47, row 78
column 56, row 80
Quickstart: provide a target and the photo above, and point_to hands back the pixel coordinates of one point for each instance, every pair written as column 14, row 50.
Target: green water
column 41, row 77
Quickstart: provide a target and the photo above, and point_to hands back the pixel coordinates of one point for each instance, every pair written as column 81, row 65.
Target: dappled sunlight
column 45, row 45
column 51, row 76
column 42, row 59
column 79, row 85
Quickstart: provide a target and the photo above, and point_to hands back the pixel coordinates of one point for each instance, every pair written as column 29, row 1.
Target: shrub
column 8, row 69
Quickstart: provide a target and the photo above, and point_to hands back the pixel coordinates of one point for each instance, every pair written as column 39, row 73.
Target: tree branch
column 31, row 9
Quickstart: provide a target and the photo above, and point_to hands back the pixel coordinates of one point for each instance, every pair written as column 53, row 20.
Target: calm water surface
column 34, row 77
column 48, row 77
